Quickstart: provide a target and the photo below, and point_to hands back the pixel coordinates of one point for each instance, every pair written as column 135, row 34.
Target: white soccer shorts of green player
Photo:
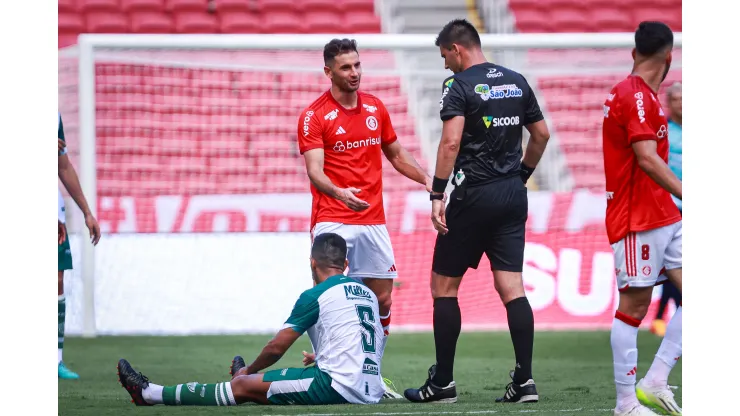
column 347, row 371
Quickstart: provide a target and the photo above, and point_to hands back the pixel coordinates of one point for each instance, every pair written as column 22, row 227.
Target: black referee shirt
column 496, row 103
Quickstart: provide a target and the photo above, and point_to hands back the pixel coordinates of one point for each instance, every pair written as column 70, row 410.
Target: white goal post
column 89, row 46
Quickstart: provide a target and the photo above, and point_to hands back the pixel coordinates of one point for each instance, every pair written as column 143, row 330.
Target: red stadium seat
column 67, row 6
column 240, row 22
column 101, row 22
column 362, row 22
column 322, row 6
column 186, row 5
column 358, row 5
column 65, row 40
column 519, row 5
column 671, row 17
column 270, row 6
column 533, row 21
column 88, row 6
column 70, row 23
column 612, row 20
column 570, row 20
column 250, row 6
column 193, row 22
column 283, row 22
column 322, row 22
column 142, row 5
column 151, row 22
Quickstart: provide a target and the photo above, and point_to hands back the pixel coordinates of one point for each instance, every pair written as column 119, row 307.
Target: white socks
column 668, row 353
column 624, row 350
column 153, row 394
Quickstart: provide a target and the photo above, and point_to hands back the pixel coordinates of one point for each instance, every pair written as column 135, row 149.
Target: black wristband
column 525, row 172
column 439, row 185
column 433, row 196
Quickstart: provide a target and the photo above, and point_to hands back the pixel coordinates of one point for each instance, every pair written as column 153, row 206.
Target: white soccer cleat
column 638, row 410
column 658, row 398
column 390, row 392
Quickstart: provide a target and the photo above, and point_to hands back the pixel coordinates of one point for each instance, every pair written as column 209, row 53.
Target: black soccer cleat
column 133, row 382
column 236, row 364
column 430, row 392
column 519, row 393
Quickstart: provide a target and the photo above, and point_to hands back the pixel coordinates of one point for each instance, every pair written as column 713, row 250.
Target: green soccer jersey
column 343, row 322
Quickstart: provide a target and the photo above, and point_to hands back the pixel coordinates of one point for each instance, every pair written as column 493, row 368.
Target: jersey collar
column 347, row 111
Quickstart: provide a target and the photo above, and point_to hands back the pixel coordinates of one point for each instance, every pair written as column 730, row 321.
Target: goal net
column 187, row 147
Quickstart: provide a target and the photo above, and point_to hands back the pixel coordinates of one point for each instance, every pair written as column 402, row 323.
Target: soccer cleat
column 133, row 382
column 519, row 393
column 236, row 364
column 638, row 410
column 658, row 327
column 658, row 398
column 429, row 392
column 390, row 390
column 65, row 373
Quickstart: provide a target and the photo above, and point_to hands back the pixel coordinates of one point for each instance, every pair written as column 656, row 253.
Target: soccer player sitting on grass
column 342, row 320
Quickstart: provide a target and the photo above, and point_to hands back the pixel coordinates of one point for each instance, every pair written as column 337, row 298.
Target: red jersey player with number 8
column 341, row 136
column 642, row 222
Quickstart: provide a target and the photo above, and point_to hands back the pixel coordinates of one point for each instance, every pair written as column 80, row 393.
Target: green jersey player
column 68, row 176
column 341, row 318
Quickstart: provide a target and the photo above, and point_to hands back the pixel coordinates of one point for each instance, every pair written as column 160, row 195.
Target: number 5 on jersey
column 367, row 319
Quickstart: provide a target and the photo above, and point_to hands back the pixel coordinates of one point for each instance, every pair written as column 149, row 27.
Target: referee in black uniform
column 483, row 109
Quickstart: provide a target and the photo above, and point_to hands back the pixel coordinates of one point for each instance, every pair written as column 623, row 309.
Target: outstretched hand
column 308, row 358
column 347, row 195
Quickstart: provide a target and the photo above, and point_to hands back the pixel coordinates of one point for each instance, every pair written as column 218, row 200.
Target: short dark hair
column 329, row 251
column 652, row 37
column 337, row 47
column 458, row 31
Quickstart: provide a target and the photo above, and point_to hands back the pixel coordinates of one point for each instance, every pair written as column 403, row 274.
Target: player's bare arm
column 273, row 351
column 315, row 168
column 405, row 164
column 449, row 146
column 71, row 182
column 646, row 152
column 538, row 137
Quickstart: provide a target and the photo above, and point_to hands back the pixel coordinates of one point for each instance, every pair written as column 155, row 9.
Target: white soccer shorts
column 369, row 249
column 641, row 258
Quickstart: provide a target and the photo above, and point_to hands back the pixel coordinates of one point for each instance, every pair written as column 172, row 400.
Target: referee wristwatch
column 433, row 196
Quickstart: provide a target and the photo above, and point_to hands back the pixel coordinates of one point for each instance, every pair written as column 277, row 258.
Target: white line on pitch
column 470, row 412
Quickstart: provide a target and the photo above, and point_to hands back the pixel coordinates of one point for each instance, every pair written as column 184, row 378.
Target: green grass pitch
column 573, row 372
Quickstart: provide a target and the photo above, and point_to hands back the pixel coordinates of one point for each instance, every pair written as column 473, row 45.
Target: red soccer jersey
column 352, row 141
column 635, row 202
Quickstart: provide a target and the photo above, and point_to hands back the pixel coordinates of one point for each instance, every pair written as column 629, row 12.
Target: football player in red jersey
column 642, row 221
column 342, row 136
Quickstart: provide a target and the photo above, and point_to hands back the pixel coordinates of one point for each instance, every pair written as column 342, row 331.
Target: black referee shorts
column 490, row 219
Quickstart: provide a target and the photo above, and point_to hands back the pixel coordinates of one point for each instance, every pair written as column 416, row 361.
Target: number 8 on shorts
column 641, row 258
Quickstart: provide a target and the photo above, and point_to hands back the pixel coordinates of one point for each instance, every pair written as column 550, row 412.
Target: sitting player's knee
column 242, row 388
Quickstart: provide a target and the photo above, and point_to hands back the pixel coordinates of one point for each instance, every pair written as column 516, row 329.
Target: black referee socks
column 447, row 323
column 521, row 327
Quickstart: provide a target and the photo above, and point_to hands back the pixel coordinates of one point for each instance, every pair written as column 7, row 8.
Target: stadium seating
column 574, row 106
column 168, row 130
column 625, row 14
column 194, row 16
